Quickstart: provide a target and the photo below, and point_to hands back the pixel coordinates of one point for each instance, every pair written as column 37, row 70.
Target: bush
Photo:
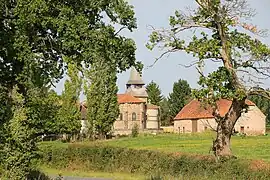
column 114, row 159
column 135, row 130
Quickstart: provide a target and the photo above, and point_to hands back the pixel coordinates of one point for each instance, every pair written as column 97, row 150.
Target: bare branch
column 190, row 65
column 119, row 31
column 209, row 125
column 161, row 56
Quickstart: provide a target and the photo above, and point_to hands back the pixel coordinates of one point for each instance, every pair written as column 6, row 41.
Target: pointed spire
column 135, row 78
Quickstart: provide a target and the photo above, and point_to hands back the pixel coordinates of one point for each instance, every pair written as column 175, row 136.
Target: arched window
column 133, row 116
column 121, row 117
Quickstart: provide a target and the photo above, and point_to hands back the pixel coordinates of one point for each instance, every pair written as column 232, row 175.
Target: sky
column 168, row 69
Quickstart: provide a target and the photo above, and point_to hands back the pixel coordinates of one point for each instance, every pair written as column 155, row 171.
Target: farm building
column 134, row 108
column 196, row 118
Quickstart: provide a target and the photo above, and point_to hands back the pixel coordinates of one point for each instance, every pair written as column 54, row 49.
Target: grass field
column 256, row 147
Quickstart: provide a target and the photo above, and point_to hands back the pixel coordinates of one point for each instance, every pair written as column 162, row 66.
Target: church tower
column 135, row 86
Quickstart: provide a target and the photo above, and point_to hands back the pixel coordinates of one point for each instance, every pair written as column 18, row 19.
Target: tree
column 179, row 97
column 20, row 151
column 36, row 35
column 43, row 109
column 165, row 117
column 262, row 103
column 69, row 114
column 102, row 105
column 154, row 93
column 221, row 36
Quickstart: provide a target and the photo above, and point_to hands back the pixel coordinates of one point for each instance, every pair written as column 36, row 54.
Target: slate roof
column 194, row 110
column 135, row 78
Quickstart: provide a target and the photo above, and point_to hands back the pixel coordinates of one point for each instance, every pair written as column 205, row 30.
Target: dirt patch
column 258, row 165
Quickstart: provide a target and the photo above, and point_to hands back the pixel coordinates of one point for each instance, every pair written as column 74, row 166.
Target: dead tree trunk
column 225, row 126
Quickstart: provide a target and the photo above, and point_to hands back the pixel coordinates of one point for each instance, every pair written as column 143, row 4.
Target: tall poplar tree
column 69, row 115
column 101, row 92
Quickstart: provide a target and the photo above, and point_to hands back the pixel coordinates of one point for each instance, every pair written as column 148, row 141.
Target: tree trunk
column 221, row 146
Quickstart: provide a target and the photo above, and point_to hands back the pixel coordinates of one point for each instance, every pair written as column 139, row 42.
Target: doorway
column 194, row 126
column 242, row 129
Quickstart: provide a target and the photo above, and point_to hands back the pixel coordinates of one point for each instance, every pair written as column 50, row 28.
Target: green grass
column 250, row 147
column 253, row 147
column 113, row 175
column 82, row 174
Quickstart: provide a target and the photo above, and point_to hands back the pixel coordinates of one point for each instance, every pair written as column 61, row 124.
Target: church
column 134, row 109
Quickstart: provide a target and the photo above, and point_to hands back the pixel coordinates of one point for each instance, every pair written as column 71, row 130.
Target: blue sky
column 167, row 70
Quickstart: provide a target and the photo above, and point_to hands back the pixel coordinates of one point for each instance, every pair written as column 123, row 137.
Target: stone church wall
column 127, row 119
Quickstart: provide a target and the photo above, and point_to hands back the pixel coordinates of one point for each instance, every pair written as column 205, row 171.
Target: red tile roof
column 126, row 98
column 194, row 109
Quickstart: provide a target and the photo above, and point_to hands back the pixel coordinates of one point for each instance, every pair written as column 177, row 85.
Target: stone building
column 134, row 108
column 196, row 118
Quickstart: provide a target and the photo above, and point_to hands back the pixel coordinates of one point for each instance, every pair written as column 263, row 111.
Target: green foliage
column 179, row 97
column 20, row 144
column 156, row 164
column 154, row 93
column 135, row 130
column 44, row 106
column 69, row 115
column 264, row 105
column 219, row 85
column 102, row 105
column 165, row 112
column 36, row 35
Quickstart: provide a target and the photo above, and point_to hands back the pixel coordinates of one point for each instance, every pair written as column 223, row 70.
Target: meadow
column 249, row 147
column 168, row 154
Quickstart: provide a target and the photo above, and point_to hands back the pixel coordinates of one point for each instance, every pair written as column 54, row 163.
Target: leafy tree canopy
column 36, row 35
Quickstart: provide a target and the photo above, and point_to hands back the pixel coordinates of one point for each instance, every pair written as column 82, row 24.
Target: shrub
column 114, row 159
column 135, row 130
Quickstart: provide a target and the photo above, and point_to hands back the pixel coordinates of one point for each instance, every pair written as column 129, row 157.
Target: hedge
column 152, row 163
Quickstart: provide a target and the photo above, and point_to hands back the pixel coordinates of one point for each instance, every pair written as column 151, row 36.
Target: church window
column 121, row 117
column 133, row 116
